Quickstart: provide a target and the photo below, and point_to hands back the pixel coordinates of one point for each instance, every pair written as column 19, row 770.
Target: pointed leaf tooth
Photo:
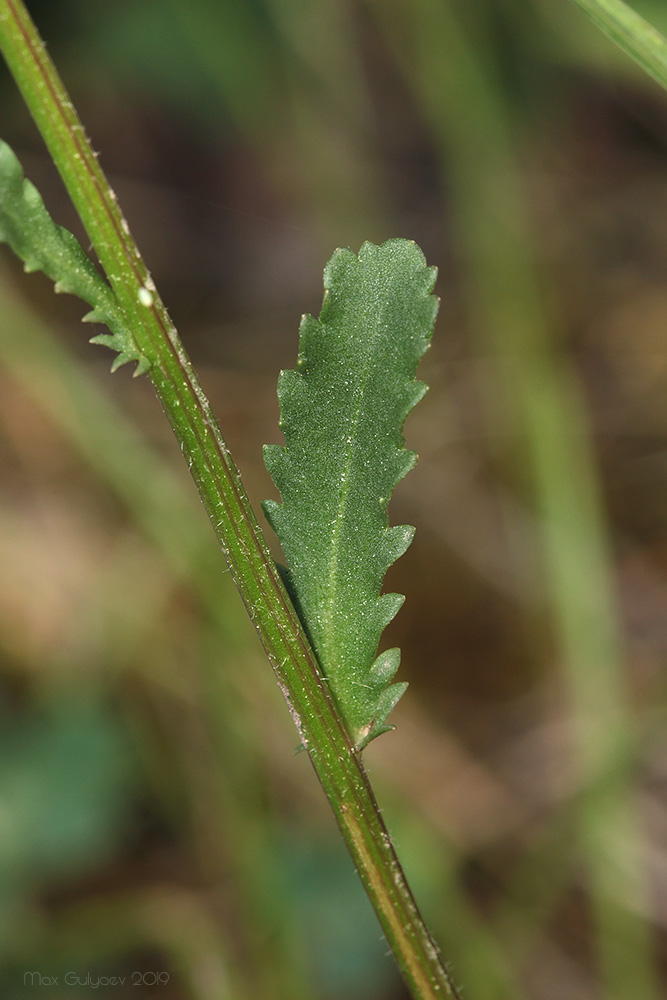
column 114, row 343
column 106, row 340
column 95, row 315
column 143, row 365
column 403, row 461
column 397, row 541
column 309, row 330
column 8, row 161
column 384, row 707
column 122, row 359
column 385, row 666
column 412, row 395
column 32, row 197
column 390, row 698
column 292, row 389
column 387, row 607
column 426, row 280
column 270, row 508
column 366, row 735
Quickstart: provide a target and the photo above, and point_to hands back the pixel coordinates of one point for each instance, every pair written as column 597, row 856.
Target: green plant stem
column 338, row 766
column 632, row 33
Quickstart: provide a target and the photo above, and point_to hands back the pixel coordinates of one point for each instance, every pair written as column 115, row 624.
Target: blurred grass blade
column 460, row 90
column 632, row 33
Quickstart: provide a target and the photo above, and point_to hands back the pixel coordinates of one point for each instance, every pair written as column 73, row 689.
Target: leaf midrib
column 334, row 560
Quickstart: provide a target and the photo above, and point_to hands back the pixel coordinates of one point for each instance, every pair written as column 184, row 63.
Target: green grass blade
column 628, row 29
column 342, row 412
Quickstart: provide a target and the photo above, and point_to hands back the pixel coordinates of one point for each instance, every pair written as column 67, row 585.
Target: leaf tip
column 119, row 361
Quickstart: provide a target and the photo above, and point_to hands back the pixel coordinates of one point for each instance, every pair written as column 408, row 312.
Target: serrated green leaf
column 42, row 245
column 342, row 413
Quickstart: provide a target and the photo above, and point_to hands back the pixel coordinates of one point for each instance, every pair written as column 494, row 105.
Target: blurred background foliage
column 153, row 816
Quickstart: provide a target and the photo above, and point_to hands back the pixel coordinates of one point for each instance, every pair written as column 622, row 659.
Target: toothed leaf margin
column 42, row 245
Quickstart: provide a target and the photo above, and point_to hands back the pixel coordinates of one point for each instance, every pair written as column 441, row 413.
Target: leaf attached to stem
column 342, row 413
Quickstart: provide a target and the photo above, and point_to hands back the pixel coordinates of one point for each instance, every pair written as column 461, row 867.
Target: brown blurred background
column 155, row 823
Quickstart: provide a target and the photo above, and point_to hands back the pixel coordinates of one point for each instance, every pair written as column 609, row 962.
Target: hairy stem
column 337, row 764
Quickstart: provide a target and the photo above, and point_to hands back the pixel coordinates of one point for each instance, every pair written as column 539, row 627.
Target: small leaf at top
column 342, row 413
